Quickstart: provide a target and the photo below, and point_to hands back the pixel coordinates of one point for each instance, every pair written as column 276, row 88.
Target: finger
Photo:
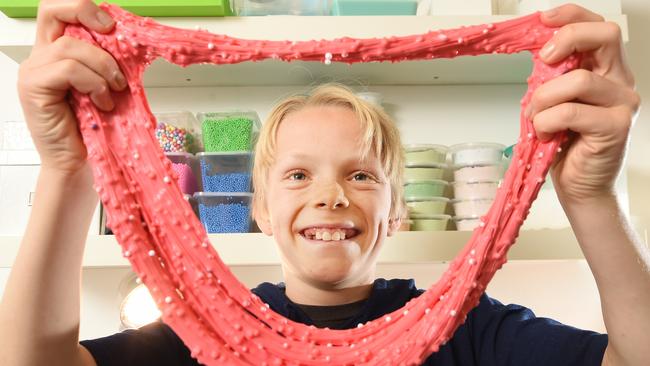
column 602, row 43
column 53, row 16
column 583, row 37
column 584, row 119
column 65, row 74
column 96, row 59
column 579, row 86
column 568, row 13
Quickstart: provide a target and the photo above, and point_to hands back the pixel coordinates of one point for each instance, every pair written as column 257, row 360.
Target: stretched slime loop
column 217, row 317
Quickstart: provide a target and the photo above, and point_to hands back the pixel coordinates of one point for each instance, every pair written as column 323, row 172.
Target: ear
column 393, row 225
column 263, row 220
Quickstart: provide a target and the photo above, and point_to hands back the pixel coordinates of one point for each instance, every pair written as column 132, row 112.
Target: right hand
column 56, row 64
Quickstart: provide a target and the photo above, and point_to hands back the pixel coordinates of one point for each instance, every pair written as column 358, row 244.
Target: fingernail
column 120, row 79
column 551, row 13
column 547, row 50
column 104, row 18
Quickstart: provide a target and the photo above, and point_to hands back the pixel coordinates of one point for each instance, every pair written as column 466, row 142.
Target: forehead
column 330, row 130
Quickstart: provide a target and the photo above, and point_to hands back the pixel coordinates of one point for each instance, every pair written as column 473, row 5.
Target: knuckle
column 584, row 78
column 60, row 46
column 569, row 111
column 613, row 32
column 69, row 66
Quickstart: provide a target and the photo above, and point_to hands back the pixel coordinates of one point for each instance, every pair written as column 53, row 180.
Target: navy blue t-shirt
column 493, row 334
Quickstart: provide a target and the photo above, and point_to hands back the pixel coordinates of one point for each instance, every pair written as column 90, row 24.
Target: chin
column 329, row 271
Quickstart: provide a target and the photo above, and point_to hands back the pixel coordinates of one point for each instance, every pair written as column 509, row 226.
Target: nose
column 332, row 196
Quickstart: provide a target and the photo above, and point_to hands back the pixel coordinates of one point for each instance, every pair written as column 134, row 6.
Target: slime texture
column 217, row 317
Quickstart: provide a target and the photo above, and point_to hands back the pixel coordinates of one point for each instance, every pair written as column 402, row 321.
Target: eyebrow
column 299, row 157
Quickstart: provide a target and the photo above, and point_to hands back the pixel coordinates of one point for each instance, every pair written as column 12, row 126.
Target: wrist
column 605, row 203
column 78, row 181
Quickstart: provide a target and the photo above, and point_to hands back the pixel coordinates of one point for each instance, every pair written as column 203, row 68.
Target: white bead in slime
column 425, row 188
column 476, row 207
column 434, row 171
column 476, row 153
column 466, row 223
column 475, row 190
column 425, row 154
column 479, row 173
column 430, row 223
column 427, row 206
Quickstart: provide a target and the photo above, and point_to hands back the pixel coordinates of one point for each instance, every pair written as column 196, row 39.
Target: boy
column 327, row 180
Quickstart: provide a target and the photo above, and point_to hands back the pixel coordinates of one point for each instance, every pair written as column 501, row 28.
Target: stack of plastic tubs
column 478, row 171
column 179, row 136
column 425, row 189
column 225, row 165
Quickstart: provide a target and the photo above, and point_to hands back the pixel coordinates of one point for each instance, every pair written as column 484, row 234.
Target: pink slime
column 217, row 317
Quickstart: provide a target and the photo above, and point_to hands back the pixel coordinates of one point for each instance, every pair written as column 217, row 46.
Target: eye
column 297, row 175
column 361, row 177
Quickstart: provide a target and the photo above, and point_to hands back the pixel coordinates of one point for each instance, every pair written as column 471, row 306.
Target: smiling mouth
column 329, row 234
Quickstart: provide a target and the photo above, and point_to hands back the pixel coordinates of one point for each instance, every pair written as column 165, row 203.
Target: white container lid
column 456, row 200
column 426, row 165
column 473, row 145
column 426, row 181
column 497, row 182
column 471, row 217
column 424, row 147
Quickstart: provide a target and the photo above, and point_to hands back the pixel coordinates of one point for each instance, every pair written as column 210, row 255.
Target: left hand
column 596, row 103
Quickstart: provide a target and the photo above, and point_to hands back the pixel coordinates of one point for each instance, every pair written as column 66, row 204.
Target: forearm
column 39, row 313
column 621, row 267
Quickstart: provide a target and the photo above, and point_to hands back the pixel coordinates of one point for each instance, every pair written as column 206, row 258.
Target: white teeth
column 327, row 234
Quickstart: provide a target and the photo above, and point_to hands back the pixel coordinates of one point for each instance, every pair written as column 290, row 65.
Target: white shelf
column 17, row 37
column 404, row 247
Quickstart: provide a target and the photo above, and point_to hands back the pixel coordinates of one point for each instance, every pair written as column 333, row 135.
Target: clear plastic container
column 226, row 171
column 280, row 7
column 476, row 153
column 186, row 167
column 471, row 208
column 479, row 173
column 425, row 154
column 374, row 7
column 178, row 132
column 229, row 130
column 225, row 212
column 426, row 206
column 195, row 207
column 467, row 223
column 430, row 223
column 475, row 190
column 425, row 188
column 424, row 172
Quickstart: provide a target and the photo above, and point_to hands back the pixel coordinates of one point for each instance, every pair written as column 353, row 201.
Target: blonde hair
column 380, row 137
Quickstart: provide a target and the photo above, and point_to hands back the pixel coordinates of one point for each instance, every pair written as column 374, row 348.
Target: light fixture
column 137, row 307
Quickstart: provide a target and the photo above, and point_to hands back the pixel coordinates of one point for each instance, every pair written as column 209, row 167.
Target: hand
column 56, row 64
column 596, row 103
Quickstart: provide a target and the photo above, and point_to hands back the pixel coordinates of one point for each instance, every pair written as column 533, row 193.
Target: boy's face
column 318, row 189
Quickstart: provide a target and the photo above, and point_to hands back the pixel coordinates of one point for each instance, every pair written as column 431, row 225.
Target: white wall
column 492, row 116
